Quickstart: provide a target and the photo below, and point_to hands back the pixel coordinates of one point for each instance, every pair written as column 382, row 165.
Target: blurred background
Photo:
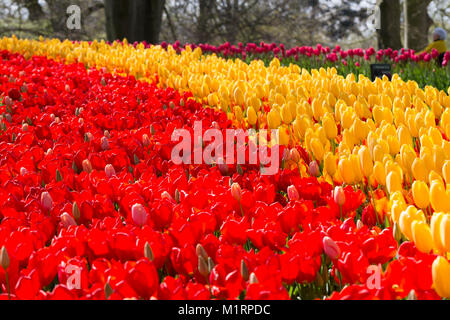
column 349, row 23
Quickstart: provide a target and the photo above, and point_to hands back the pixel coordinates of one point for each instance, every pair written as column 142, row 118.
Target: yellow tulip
column 441, row 277
column 421, row 194
column 379, row 173
column 346, row 171
column 238, row 113
column 286, row 115
column 439, row 198
column 252, row 117
column 365, row 161
column 393, row 181
column 435, row 225
column 317, row 149
column 419, row 170
column 329, row 163
column 329, row 124
column 422, row 236
column 274, row 119
column 445, row 232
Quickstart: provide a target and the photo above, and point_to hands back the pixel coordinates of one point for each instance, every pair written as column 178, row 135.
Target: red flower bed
column 89, row 190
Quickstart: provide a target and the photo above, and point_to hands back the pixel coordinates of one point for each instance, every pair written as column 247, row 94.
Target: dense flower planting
column 88, row 182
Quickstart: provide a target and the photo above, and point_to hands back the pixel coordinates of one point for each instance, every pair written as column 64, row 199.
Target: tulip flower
column 145, row 140
column 104, row 143
column 422, row 237
column 445, row 232
column 67, row 220
column 109, row 170
column 441, row 276
column 252, row 117
column 87, row 166
column 236, row 191
column 46, row 201
column 365, row 161
column 139, row 214
column 435, row 226
column 331, row 248
column 292, row 193
column 421, row 194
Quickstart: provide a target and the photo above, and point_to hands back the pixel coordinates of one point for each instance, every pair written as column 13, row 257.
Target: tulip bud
column 46, row 201
column 107, row 134
column 365, row 161
column 88, row 137
column 177, row 196
column 166, row 195
column 148, row 253
column 58, row 176
column 215, row 125
column 104, row 143
column 293, row 193
column 253, row 278
column 397, row 232
column 87, row 166
column 23, row 171
column 4, row 258
column 412, row 295
column 201, row 252
column 314, row 169
column 294, row 155
column 139, row 214
column 145, row 140
column 67, row 220
column 110, row 171
column 203, row 267
column 210, row 264
column 8, row 102
column 359, row 224
column 244, row 270
column 76, row 211
column 331, row 248
column 236, row 191
column 25, row 127
column 339, row 196
column 108, row 290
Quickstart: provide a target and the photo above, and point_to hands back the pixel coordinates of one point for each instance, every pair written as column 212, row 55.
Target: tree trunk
column 202, row 32
column 418, row 23
column 34, row 9
column 137, row 20
column 389, row 34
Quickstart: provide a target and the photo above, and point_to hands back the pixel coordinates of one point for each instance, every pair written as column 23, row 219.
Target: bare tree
column 389, row 34
column 137, row 20
column 418, row 23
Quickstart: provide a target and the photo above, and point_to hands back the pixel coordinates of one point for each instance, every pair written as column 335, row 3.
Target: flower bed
column 87, row 175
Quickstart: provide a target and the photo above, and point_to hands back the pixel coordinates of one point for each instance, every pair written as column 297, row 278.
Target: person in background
column 439, row 36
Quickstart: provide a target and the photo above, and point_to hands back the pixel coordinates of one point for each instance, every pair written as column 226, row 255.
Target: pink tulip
column 109, row 170
column 46, row 201
column 292, row 193
column 139, row 214
column 236, row 191
column 87, row 166
column 331, row 248
column 145, row 140
column 104, row 143
column 67, row 220
column 314, row 169
column 339, row 196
